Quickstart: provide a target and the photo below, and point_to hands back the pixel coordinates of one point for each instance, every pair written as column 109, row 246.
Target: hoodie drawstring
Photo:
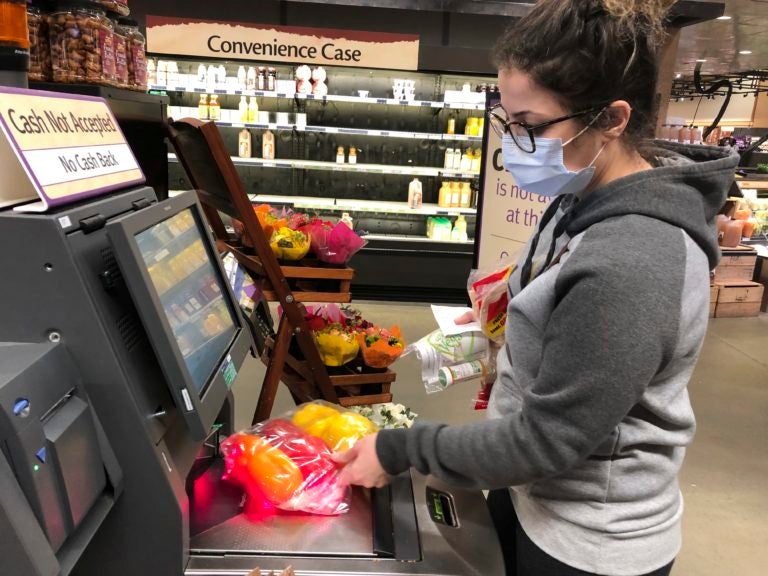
column 526, row 272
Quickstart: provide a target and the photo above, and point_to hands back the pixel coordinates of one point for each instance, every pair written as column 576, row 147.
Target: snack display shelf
column 313, row 97
column 290, row 163
column 347, row 205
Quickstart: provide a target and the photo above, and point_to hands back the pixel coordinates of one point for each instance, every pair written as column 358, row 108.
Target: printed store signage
column 60, row 148
column 272, row 43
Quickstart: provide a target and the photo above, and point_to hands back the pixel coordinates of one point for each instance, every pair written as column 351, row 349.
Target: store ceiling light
column 723, row 17
column 678, row 75
column 745, row 52
column 701, row 60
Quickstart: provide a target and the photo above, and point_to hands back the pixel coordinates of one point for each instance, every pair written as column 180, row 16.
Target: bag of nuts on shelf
column 119, row 7
column 82, row 44
column 121, row 58
column 135, row 44
column 39, row 45
column 122, row 77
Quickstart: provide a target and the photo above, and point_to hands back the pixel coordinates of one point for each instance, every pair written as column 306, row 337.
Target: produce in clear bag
column 340, row 429
column 279, row 464
column 490, row 297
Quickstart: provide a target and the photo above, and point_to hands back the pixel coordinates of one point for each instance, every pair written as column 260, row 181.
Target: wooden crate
column 738, row 299
column 713, row 292
column 309, row 280
column 736, row 264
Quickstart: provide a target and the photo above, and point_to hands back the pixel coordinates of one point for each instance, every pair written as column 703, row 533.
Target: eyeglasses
column 522, row 133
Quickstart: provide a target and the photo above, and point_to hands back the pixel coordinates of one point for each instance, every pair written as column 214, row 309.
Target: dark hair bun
column 588, row 52
column 644, row 17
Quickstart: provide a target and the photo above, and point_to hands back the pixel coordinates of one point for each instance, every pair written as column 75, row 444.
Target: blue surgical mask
column 543, row 171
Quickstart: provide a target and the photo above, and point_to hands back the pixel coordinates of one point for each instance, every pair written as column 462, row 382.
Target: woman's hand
column 361, row 464
column 466, row 318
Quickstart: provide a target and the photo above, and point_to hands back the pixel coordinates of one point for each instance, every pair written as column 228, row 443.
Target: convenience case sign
column 269, row 42
column 68, row 147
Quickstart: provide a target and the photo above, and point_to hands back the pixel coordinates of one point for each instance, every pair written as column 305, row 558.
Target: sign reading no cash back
column 60, row 148
column 272, row 43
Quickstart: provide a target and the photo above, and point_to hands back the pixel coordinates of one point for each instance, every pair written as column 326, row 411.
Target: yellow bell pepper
column 343, row 431
column 339, row 430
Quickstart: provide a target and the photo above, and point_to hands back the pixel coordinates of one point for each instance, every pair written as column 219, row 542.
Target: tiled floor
column 725, row 475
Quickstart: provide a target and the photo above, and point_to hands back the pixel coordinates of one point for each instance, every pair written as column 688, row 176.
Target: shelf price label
column 66, row 147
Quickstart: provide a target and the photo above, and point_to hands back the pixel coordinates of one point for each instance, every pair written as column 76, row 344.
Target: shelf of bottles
column 352, row 205
column 231, row 91
column 289, row 163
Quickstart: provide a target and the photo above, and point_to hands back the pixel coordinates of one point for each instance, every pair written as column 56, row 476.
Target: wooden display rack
column 290, row 354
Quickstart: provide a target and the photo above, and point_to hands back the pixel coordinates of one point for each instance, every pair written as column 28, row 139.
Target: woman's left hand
column 361, row 464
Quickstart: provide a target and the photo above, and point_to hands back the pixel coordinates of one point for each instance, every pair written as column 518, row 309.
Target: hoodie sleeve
column 612, row 328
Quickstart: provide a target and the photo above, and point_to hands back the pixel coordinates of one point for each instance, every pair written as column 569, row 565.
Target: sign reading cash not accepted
column 272, row 43
column 60, row 148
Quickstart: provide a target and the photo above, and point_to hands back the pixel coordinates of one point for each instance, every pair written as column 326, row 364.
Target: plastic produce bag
column 381, row 347
column 279, row 464
column 490, row 297
column 338, row 428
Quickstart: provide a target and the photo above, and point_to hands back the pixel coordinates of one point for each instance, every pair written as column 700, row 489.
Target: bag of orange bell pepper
column 280, row 465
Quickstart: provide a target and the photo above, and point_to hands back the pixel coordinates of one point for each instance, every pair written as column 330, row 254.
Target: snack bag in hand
column 490, row 297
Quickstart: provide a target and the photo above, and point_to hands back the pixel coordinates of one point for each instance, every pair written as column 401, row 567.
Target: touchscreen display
column 191, row 293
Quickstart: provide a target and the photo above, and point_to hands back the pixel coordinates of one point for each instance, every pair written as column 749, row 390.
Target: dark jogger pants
column 521, row 556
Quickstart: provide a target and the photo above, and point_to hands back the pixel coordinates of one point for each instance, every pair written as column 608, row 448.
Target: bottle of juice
column 466, row 195
column 444, row 196
column 459, row 232
column 244, row 144
column 202, row 107
column 214, row 108
column 242, row 109
column 455, row 195
column 253, row 109
column 268, row 146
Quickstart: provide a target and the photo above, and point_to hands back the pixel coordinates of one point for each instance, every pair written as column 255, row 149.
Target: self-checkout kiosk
column 120, row 340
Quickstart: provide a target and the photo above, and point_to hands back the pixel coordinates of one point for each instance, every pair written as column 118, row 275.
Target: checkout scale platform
column 123, row 390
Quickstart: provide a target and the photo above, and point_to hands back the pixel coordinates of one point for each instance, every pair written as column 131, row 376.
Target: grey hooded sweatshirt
column 589, row 415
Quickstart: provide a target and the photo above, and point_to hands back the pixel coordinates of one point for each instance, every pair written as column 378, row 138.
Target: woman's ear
column 615, row 119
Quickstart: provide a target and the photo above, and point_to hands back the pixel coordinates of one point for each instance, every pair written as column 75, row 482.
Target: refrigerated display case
column 385, row 143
